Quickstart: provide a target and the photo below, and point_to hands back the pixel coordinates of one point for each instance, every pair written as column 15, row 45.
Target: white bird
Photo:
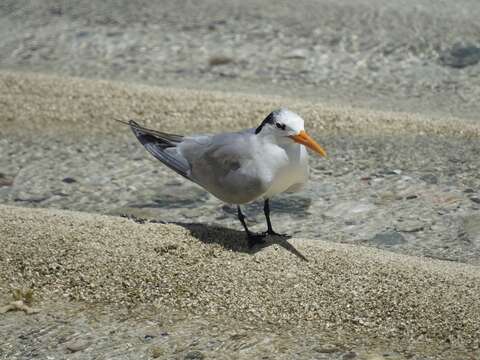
column 240, row 167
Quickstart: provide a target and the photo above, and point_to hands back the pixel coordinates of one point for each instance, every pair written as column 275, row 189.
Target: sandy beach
column 106, row 254
column 343, row 298
column 355, row 295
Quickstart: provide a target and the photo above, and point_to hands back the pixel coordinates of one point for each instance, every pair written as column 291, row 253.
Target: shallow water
column 421, row 56
column 76, row 331
column 401, row 195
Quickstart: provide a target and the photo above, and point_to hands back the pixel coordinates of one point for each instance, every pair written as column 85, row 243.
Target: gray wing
column 226, row 165
column 163, row 147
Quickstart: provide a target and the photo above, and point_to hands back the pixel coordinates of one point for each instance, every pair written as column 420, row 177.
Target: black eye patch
column 280, row 126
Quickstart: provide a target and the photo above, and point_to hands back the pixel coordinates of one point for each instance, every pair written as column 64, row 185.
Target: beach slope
column 350, row 293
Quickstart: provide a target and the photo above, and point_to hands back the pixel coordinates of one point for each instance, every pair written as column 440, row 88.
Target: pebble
column 296, row 54
column 194, row 355
column 157, row 352
column 475, row 200
column 391, row 172
column 148, row 337
column 429, row 179
column 327, row 348
column 69, row 180
column 350, row 355
column 460, row 56
column 389, row 238
column 6, row 180
column 22, row 196
column 78, row 345
column 410, row 226
column 219, row 60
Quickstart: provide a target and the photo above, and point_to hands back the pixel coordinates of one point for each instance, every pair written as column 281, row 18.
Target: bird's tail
column 162, row 146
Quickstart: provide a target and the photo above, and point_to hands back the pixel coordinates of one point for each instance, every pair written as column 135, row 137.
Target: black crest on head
column 268, row 120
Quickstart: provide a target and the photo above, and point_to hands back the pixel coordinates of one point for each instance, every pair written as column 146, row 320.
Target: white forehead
column 289, row 118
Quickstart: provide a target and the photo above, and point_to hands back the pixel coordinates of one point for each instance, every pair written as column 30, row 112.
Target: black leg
column 266, row 210
column 252, row 238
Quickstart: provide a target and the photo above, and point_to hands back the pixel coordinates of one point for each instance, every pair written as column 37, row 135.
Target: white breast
column 293, row 173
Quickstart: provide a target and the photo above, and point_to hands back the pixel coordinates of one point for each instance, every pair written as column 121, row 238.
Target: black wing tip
column 129, row 122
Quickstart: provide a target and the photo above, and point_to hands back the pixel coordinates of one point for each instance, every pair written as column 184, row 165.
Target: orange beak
column 305, row 139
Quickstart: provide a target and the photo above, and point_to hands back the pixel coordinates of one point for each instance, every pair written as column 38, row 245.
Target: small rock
column 389, row 238
column 461, row 56
column 5, row 180
column 468, row 191
column 392, row 172
column 214, row 24
column 78, row 345
column 69, row 180
column 411, row 197
column 410, row 226
column 349, row 355
column 476, row 200
column 327, row 349
column 430, row 179
column 296, row 54
column 219, row 60
column 114, row 33
column 194, row 355
column 385, row 198
column 157, row 352
column 30, row 197
column 56, row 10
column 148, row 337
column 82, row 34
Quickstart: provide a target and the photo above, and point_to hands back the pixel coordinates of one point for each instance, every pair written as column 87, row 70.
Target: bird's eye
column 280, row 126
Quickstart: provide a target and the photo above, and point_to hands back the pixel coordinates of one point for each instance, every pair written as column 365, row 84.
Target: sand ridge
column 55, row 104
column 348, row 290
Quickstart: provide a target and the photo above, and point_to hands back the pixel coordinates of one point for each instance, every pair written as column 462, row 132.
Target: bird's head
column 285, row 124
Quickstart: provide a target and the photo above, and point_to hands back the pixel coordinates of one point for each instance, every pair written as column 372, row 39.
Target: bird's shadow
column 235, row 240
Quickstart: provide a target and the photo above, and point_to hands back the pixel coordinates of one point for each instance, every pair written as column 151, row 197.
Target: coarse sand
column 46, row 104
column 357, row 293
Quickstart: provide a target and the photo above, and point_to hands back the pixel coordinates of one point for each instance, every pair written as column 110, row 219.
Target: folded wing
column 163, row 147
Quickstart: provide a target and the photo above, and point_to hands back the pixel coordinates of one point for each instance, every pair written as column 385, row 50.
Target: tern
column 239, row 167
